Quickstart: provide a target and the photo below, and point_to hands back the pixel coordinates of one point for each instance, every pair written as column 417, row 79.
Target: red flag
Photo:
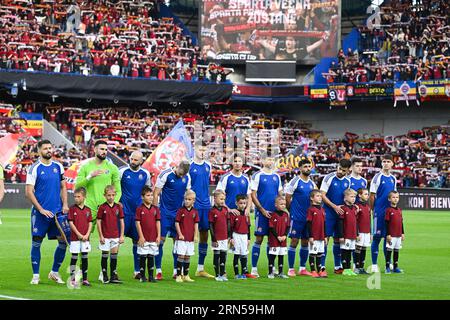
column 9, row 145
column 170, row 152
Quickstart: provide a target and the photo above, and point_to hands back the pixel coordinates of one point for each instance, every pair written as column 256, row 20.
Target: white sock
column 158, row 270
column 254, row 270
column 174, row 271
column 291, row 269
column 301, row 269
column 35, row 275
column 200, row 267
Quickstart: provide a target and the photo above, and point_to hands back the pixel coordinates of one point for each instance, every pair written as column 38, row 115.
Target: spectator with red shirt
column 395, row 232
column 186, row 224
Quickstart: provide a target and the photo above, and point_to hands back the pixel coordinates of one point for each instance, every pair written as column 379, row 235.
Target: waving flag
column 171, row 151
column 9, row 145
column 71, row 173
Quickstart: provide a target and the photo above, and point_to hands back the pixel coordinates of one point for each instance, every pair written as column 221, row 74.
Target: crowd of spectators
column 421, row 156
column 411, row 42
column 103, row 37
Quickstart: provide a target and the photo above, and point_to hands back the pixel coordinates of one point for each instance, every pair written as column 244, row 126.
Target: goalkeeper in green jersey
column 95, row 175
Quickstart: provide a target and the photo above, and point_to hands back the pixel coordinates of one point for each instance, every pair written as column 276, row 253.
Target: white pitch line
column 12, row 298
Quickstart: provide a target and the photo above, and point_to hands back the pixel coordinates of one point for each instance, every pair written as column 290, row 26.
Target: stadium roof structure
column 114, row 88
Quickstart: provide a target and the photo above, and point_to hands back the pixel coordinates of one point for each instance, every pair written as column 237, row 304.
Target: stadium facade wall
column 410, row 198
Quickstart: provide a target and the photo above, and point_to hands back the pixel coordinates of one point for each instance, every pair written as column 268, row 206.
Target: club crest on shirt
column 193, row 215
column 274, row 178
column 55, row 170
column 259, row 229
column 141, row 176
column 117, row 213
column 242, row 181
column 184, row 180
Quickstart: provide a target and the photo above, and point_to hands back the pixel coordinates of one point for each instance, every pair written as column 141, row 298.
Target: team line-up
column 121, row 203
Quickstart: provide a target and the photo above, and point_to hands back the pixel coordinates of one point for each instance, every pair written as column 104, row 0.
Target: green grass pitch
column 425, row 259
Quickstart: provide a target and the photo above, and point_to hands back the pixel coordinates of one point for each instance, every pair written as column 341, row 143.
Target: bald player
column 133, row 178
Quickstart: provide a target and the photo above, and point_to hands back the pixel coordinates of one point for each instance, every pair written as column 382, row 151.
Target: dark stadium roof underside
column 115, row 88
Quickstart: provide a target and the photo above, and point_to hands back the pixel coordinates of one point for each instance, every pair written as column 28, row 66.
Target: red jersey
column 80, row 218
column 316, row 214
column 110, row 219
column 187, row 220
column 395, row 218
column 240, row 224
column 349, row 225
column 363, row 218
column 148, row 218
column 280, row 222
column 218, row 217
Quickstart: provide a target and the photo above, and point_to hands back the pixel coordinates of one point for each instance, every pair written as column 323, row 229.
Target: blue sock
column 136, row 258
column 384, row 249
column 58, row 258
column 337, row 255
column 202, row 251
column 304, row 253
column 158, row 258
column 324, row 256
column 374, row 249
column 256, row 250
column 175, row 259
column 291, row 257
column 36, row 256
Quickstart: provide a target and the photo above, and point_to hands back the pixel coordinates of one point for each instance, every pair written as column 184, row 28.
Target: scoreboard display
column 242, row 30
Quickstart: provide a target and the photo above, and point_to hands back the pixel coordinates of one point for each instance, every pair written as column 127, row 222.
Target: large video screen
column 240, row 30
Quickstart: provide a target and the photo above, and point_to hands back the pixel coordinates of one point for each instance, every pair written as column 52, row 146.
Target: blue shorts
column 168, row 227
column 332, row 227
column 42, row 225
column 298, row 229
column 261, row 224
column 203, row 225
column 130, row 227
column 379, row 226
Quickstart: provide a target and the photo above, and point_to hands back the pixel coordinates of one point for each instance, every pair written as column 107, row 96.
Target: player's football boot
column 159, row 276
column 142, row 279
column 362, row 271
column 137, row 275
column 339, row 271
column 174, row 276
column 224, row 278
column 375, row 268
column 86, row 283
column 188, row 279
column 347, row 272
column 255, row 273
column 388, row 271
column 323, row 274
column 219, row 279
column 35, row 279
column 179, row 279
column 304, row 272
column 357, row 271
column 282, row 276
column 291, row 273
column 115, row 279
column 397, row 270
column 204, row 274
column 105, row 279
column 151, row 279
column 314, row 274
column 251, row 276
column 271, row 276
column 55, row 277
